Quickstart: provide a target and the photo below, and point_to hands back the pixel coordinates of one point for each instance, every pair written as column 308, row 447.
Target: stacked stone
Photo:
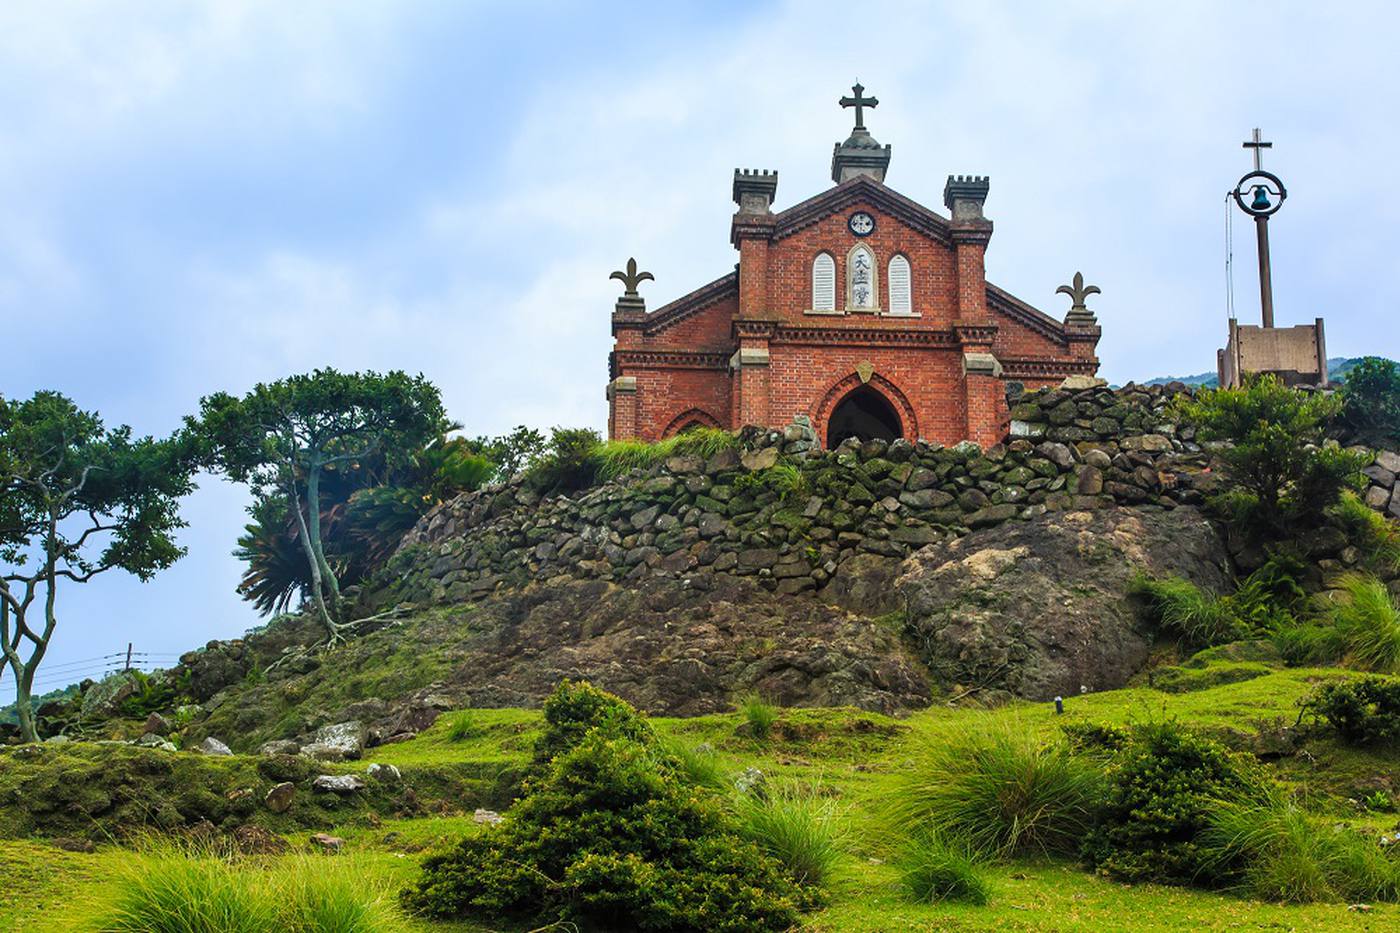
column 1083, row 448
column 1383, row 492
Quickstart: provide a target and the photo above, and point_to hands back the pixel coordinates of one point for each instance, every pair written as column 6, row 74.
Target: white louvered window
column 824, row 283
column 900, row 299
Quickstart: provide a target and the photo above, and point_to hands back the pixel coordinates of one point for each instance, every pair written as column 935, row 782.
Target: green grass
column 1375, row 534
column 799, row 826
column 999, row 790
column 1366, row 621
column 759, row 714
column 1185, row 610
column 861, row 760
column 462, row 725
column 933, row 869
column 617, row 458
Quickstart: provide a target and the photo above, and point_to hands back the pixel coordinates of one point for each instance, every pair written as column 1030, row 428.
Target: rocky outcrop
column 1039, row 609
column 682, row 647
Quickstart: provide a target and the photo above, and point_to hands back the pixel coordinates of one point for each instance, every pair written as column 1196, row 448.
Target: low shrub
column 1366, row 622
column 797, row 826
column 570, row 463
column 1271, row 849
column 609, row 837
column 759, row 715
column 932, row 869
column 785, row 480
column 1362, row 712
column 574, row 710
column 1162, row 786
column 1371, row 400
column 1001, row 793
column 1185, row 610
column 1373, row 533
column 169, row 890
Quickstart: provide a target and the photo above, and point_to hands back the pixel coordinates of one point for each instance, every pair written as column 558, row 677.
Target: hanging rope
column 1229, row 260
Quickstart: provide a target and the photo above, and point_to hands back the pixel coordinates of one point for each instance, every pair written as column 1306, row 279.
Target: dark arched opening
column 864, row 414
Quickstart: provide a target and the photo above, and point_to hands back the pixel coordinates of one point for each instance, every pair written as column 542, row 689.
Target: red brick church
column 858, row 308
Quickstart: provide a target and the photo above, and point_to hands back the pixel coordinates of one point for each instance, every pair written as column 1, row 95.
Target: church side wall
column 665, row 394
column 707, row 330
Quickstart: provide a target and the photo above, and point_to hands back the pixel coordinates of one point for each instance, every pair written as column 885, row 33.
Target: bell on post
column 1261, row 199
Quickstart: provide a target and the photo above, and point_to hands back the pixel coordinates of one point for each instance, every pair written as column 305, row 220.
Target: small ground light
column 1059, row 706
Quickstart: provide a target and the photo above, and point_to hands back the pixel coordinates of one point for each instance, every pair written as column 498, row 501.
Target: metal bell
column 1261, row 199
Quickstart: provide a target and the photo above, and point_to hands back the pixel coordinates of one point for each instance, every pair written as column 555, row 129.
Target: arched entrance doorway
column 864, row 414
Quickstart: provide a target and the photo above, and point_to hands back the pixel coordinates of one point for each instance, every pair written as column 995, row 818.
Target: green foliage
column 1376, row 535
column 933, row 869
column 1162, row 786
column 1366, row 621
column 573, row 710
column 1379, row 801
column 1285, row 472
column 153, row 693
column 1362, row 712
column 570, row 463
column 172, row 891
column 511, row 453
column 999, row 792
column 1371, row 400
column 619, row 457
column 1271, row 849
column 608, row 836
column 76, row 500
column 786, row 480
column 759, row 715
column 796, row 825
column 1262, row 604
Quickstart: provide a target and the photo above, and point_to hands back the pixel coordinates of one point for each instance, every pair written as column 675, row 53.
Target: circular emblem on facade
column 861, row 223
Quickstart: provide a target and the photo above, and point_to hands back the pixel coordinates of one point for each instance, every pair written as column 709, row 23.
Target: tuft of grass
column 1366, row 621
column 699, row 765
column 933, row 869
column 798, row 826
column 1186, row 610
column 166, row 889
column 462, row 725
column 759, row 714
column 1000, row 792
column 1271, row 849
column 616, row 458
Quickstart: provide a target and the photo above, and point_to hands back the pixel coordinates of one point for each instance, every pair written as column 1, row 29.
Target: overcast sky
column 199, row 196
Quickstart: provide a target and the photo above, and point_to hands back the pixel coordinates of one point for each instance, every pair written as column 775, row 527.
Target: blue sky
column 196, row 197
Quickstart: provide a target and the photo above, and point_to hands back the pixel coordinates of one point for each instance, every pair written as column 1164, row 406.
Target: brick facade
column 748, row 348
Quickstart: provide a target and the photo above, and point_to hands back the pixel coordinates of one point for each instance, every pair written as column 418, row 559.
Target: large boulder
column 1039, row 608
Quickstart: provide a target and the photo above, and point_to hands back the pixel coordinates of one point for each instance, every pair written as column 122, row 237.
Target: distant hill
column 1337, row 368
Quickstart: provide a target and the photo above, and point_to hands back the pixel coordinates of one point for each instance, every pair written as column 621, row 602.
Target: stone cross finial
column 631, row 278
column 1078, row 292
column 1258, row 145
column 860, row 103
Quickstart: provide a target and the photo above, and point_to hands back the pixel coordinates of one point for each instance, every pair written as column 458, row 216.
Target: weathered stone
column 339, row 742
column 1380, row 475
column 279, row 747
column 644, row 517
column 324, row 842
column 1097, row 458
column 1089, row 482
column 756, row 559
column 279, row 798
column 1377, row 497
column 212, row 746
column 760, row 459
column 921, row 478
column 1153, row 443
column 1388, row 460
column 925, row 499
column 384, row 774
column 157, row 724
column 486, row 817
column 1066, row 575
column 71, row 844
column 971, row 500
column 916, row 535
column 1056, row 453
column 991, row 515
column 338, row 783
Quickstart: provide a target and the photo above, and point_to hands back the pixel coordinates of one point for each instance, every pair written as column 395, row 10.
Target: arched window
column 900, row 300
column 862, row 292
column 824, row 283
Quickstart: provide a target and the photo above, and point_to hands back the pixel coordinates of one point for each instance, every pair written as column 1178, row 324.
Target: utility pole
column 1260, row 208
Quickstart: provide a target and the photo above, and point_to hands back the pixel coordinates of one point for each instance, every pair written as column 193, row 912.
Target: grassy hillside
column 857, row 759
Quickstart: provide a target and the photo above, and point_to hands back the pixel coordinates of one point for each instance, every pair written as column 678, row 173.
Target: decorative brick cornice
column 977, row 233
column 975, row 335
column 864, row 337
column 751, row 327
column 865, row 190
column 1044, row 367
column 668, row 359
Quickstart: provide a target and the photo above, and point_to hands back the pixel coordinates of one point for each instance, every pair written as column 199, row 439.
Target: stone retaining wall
column 1078, row 447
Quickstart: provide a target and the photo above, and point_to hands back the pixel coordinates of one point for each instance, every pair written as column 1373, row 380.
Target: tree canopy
column 76, row 500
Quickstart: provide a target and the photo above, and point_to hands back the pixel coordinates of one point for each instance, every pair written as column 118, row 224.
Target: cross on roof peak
column 860, row 103
column 1257, row 144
